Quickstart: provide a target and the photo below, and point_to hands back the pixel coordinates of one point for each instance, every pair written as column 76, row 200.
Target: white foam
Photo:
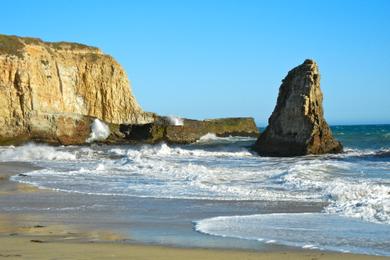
column 309, row 247
column 99, row 131
column 32, row 152
column 100, row 167
column 305, row 230
column 349, row 152
column 227, row 173
column 174, row 120
column 367, row 201
column 209, row 137
column 117, row 151
column 163, row 149
column 213, row 138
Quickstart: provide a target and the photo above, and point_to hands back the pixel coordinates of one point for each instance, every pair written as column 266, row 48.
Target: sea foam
column 32, row 152
column 174, row 120
column 306, row 230
column 352, row 184
column 212, row 138
column 99, row 131
column 209, row 137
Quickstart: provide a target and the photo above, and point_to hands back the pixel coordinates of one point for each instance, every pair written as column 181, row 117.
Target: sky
column 224, row 58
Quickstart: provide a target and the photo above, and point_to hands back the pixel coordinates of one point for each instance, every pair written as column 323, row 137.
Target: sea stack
column 297, row 125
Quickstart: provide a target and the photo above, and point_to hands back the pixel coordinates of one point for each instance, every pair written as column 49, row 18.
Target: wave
column 211, row 138
column 163, row 149
column 305, row 230
column 99, row 131
column 174, row 120
column 367, row 201
column 32, row 152
column 338, row 184
column 351, row 187
column 348, row 152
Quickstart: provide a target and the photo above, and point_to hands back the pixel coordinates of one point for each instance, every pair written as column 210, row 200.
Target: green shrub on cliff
column 11, row 45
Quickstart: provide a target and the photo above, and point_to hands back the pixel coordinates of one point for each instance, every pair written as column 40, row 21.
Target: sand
column 21, row 240
column 32, row 248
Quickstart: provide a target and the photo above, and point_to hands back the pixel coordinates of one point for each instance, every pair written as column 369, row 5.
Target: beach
column 40, row 222
column 23, row 248
column 22, row 237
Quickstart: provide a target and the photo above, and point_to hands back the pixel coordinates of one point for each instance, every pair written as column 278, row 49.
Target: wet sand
column 24, row 235
column 27, row 248
column 12, row 168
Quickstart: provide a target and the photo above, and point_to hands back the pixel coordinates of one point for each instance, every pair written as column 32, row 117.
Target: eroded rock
column 190, row 131
column 297, row 125
column 53, row 92
column 47, row 88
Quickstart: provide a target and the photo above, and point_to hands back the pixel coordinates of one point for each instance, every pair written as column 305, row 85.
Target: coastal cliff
column 297, row 125
column 51, row 91
column 70, row 93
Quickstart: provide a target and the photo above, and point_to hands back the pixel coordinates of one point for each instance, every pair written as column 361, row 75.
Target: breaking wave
column 99, row 131
column 174, row 120
column 33, row 152
column 351, row 186
column 305, row 230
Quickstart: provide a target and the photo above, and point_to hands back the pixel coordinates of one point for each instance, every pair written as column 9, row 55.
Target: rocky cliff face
column 297, row 125
column 50, row 90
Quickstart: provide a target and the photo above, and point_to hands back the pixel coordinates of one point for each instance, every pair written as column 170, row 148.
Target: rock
column 147, row 133
column 190, row 131
column 50, row 91
column 53, row 92
column 65, row 129
column 297, row 125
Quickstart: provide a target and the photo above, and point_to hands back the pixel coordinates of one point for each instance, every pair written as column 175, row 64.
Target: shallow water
column 306, row 230
column 354, row 187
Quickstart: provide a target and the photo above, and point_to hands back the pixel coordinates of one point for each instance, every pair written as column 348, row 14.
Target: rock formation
column 190, row 131
column 52, row 91
column 297, row 125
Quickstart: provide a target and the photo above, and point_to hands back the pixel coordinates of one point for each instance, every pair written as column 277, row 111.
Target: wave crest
column 32, row 152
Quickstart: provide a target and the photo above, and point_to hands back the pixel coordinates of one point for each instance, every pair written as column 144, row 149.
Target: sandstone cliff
column 51, row 91
column 297, row 125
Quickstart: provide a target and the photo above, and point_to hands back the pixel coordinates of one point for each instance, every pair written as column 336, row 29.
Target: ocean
column 222, row 191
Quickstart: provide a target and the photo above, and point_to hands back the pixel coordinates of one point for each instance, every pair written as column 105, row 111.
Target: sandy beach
column 24, row 248
column 22, row 237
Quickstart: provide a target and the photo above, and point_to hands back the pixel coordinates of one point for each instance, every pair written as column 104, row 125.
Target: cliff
column 51, row 91
column 297, row 125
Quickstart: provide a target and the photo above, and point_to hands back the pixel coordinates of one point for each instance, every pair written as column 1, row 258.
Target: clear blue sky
column 204, row 59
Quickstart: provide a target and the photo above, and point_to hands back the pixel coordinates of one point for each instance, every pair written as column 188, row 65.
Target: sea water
column 353, row 186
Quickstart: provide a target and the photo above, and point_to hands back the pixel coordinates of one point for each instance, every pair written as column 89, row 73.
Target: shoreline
column 22, row 237
column 30, row 248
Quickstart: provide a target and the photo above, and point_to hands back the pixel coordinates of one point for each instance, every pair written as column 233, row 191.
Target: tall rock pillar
column 297, row 125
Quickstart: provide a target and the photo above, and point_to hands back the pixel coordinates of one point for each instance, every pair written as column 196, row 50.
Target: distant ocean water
column 354, row 185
